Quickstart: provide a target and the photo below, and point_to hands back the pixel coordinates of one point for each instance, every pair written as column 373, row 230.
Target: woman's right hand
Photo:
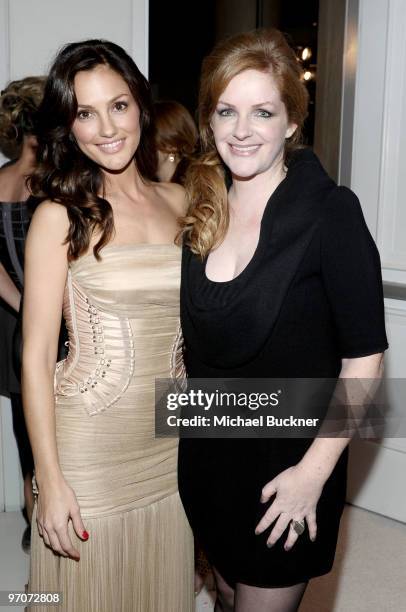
column 57, row 504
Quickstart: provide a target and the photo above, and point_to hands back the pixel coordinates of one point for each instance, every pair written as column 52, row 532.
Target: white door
column 378, row 176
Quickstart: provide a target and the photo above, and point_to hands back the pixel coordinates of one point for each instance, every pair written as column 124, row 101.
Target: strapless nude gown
column 122, row 316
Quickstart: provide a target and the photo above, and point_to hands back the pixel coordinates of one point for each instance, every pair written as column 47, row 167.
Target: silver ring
column 298, row 526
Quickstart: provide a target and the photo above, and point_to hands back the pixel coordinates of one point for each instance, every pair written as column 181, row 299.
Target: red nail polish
column 85, row 535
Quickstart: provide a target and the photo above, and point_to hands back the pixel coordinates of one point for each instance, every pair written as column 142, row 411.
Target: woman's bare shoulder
column 51, row 211
column 50, row 219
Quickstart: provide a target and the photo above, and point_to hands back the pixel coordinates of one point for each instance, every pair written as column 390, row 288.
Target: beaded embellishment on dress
column 100, row 361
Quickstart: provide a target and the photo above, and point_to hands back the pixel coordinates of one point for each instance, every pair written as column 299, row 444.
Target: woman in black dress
column 281, row 279
column 18, row 106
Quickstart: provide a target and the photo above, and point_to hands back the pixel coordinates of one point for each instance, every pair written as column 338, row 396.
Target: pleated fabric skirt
column 139, row 556
column 137, row 561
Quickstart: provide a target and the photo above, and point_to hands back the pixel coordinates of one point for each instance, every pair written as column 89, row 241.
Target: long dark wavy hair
column 66, row 175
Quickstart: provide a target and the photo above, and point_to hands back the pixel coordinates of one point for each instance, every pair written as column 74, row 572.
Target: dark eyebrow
column 109, row 102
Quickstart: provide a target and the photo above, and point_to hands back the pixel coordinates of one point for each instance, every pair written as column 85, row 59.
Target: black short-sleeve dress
column 310, row 296
column 14, row 222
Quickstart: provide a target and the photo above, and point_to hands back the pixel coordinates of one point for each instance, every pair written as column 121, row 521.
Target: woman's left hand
column 297, row 492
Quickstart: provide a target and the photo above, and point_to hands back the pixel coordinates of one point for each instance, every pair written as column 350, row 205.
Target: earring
column 171, row 157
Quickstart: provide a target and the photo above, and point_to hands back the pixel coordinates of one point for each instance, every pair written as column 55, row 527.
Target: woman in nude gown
column 109, row 531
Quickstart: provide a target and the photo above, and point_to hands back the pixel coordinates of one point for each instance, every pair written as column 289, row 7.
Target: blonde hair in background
column 19, row 102
column 265, row 50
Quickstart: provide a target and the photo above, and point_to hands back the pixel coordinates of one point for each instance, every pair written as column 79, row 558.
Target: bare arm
column 298, row 488
column 8, row 291
column 45, row 276
column 324, row 453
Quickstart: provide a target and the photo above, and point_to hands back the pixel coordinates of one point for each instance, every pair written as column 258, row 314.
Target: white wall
column 11, row 487
column 379, row 137
column 378, row 176
column 31, row 32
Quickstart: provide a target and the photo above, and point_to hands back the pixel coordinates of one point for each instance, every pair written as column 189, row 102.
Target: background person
column 19, row 103
column 176, row 139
